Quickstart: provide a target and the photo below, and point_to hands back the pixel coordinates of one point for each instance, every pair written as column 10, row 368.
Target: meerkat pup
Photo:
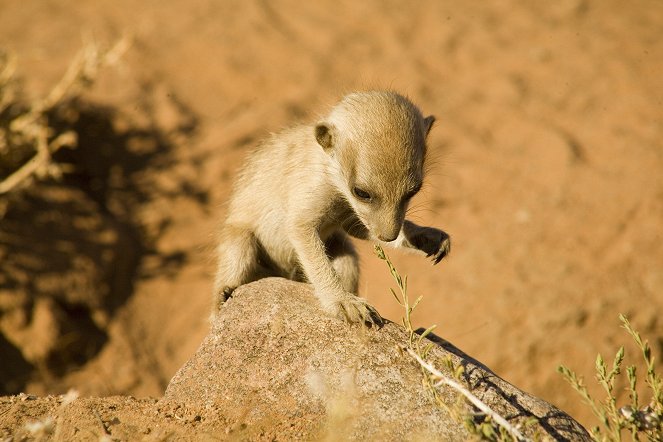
column 306, row 189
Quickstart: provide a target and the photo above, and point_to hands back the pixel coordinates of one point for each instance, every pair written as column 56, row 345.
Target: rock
column 276, row 368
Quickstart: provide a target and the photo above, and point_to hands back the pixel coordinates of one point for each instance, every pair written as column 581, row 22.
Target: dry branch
column 31, row 128
column 443, row 379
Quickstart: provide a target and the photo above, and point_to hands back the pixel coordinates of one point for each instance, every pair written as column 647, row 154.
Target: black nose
column 385, row 239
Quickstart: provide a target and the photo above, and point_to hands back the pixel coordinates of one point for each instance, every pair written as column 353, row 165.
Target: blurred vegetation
column 28, row 138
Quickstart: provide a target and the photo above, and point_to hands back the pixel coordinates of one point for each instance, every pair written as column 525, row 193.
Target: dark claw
column 227, row 293
column 444, row 251
column 375, row 318
column 345, row 314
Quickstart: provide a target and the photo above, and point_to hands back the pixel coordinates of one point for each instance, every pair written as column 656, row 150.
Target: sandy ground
column 547, row 166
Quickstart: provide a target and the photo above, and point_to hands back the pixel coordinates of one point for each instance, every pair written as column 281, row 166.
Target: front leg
column 429, row 240
column 328, row 287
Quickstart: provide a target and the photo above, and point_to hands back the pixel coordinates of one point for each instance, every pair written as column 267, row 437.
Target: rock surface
column 275, row 368
column 279, row 368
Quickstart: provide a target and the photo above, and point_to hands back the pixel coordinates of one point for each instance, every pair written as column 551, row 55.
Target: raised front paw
column 433, row 242
column 353, row 309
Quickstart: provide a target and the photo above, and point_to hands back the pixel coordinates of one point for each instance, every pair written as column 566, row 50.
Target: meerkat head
column 377, row 143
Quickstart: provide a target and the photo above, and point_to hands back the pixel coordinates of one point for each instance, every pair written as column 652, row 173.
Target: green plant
column 638, row 420
column 486, row 423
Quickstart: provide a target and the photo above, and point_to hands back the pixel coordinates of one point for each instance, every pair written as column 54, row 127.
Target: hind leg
column 344, row 259
column 237, row 262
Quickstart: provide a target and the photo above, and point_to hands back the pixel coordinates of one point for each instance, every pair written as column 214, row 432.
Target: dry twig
column 443, row 379
column 31, row 128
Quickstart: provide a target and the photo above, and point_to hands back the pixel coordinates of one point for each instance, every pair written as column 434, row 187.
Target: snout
column 386, row 226
column 387, row 238
column 388, row 233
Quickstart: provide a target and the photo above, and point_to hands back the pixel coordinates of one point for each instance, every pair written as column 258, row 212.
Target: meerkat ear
column 428, row 124
column 323, row 133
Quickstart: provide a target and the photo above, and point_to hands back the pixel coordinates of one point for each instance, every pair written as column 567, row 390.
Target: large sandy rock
column 278, row 368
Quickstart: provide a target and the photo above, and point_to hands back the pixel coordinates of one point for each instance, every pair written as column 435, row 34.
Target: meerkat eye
column 361, row 194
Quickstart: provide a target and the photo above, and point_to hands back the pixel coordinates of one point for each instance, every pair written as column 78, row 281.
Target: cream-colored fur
column 304, row 190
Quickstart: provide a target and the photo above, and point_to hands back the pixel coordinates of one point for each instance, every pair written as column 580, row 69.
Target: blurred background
column 546, row 169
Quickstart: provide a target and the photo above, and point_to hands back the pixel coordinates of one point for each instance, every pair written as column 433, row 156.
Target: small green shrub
column 639, row 420
column 484, row 423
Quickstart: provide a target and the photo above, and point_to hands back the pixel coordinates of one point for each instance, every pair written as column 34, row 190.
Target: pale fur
column 293, row 204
